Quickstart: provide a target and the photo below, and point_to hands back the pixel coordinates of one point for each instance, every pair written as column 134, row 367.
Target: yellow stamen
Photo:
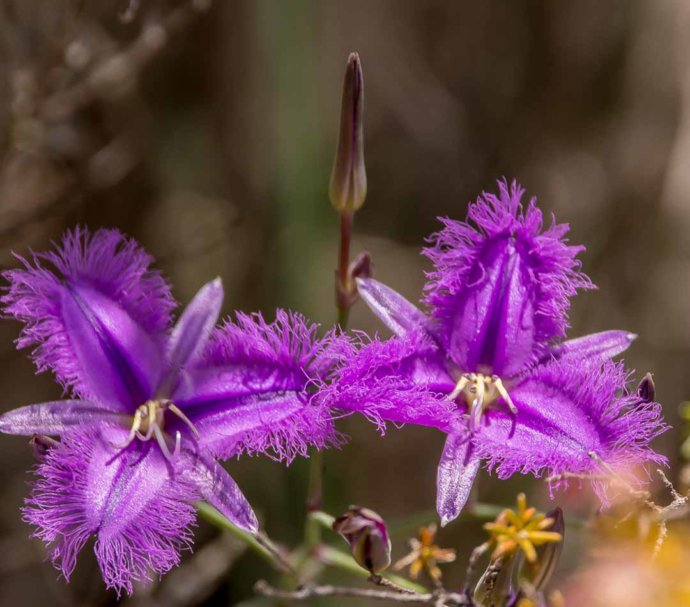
column 481, row 391
column 148, row 422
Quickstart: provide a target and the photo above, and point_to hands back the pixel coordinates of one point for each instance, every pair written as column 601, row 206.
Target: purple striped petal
column 398, row 380
column 502, row 284
column 56, row 417
column 396, row 312
column 118, row 361
column 456, row 473
column 597, row 346
column 138, row 510
column 570, row 418
column 278, row 424
column 249, row 391
column 219, row 489
column 91, row 309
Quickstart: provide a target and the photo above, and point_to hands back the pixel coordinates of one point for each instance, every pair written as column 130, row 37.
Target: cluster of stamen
column 149, row 422
column 480, row 391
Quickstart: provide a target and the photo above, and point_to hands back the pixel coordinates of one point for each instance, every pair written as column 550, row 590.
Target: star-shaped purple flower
column 153, row 404
column 488, row 366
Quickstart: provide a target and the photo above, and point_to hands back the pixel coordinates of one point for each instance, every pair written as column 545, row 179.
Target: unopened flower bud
column 361, row 266
column 539, row 573
column 495, row 587
column 40, row 445
column 646, row 390
column 348, row 187
column 367, row 535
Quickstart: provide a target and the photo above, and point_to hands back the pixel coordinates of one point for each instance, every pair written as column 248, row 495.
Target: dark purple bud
column 41, row 444
column 367, row 535
column 646, row 390
column 538, row 574
column 348, row 187
column 361, row 266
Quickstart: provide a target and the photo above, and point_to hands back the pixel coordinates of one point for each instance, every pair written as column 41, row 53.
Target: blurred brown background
column 207, row 132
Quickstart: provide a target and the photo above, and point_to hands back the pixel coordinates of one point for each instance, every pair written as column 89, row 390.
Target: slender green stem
column 312, row 531
column 335, row 558
column 323, row 519
column 259, row 543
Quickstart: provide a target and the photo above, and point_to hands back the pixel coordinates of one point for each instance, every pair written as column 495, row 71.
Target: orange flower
column 425, row 555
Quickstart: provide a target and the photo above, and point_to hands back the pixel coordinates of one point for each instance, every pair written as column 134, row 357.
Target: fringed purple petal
column 502, row 284
column 139, row 511
column 56, row 417
column 456, row 473
column 595, row 347
column 397, row 313
column 219, row 489
column 290, row 343
column 92, row 308
column 571, row 417
column 278, row 424
column 250, row 389
column 398, row 380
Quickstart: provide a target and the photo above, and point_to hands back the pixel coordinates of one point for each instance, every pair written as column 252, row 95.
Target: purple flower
column 153, row 404
column 488, row 367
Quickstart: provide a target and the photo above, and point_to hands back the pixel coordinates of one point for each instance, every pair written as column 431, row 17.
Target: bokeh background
column 207, row 132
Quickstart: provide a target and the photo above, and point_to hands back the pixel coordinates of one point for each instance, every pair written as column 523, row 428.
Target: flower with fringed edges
column 488, row 365
column 152, row 405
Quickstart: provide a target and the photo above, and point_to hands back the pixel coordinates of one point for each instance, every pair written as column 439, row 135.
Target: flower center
column 480, row 391
column 148, row 422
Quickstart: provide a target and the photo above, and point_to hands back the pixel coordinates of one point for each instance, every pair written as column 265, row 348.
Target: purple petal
column 218, row 488
column 570, row 417
column 456, row 473
column 597, row 346
column 130, row 500
column 502, row 284
column 92, row 289
column 248, row 390
column 277, row 424
column 192, row 330
column 398, row 380
column 194, row 327
column 117, row 361
column 56, row 417
column 396, row 312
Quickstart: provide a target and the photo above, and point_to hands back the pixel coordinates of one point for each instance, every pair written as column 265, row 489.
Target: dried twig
column 677, row 508
column 449, row 599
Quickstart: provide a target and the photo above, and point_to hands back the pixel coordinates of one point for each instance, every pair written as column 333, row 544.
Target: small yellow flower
column 425, row 555
column 521, row 530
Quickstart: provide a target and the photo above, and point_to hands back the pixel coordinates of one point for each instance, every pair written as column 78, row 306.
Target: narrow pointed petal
column 502, row 284
column 398, row 380
column 194, row 327
column 456, row 473
column 91, row 309
column 56, row 417
column 219, row 489
column 131, row 501
column 600, row 346
column 192, row 330
column 249, row 390
column 570, row 418
column 397, row 313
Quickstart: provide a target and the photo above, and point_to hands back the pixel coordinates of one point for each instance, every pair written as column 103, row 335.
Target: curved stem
column 259, row 544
